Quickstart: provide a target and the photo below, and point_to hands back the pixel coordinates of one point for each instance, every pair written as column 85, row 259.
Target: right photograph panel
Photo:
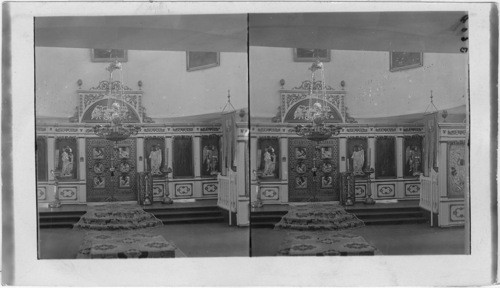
column 358, row 133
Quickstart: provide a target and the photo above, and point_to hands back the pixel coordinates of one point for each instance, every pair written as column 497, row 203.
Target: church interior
column 252, row 135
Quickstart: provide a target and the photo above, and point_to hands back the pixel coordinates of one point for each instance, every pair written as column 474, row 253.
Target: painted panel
column 457, row 213
column 183, row 156
column 210, row 188
column 357, row 155
column 412, row 189
column 210, row 155
column 269, row 193
column 184, row 190
column 67, row 193
column 412, row 165
column 360, row 191
column 268, row 155
column 158, row 190
column 41, row 159
column 456, row 169
column 386, row 190
column 385, row 159
column 154, row 154
column 66, row 154
column 41, row 193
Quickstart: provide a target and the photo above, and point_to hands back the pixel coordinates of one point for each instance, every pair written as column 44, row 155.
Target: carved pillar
column 284, row 155
column 51, row 165
column 371, row 154
column 141, row 161
column 253, row 153
column 443, row 169
column 342, row 165
column 399, row 156
column 196, row 156
column 81, row 156
column 240, row 160
column 168, row 154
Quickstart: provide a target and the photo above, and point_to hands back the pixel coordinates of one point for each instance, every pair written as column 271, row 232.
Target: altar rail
column 227, row 198
column 429, row 194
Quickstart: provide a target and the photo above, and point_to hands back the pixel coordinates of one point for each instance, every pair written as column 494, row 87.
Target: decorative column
column 284, row 158
column 51, row 165
column 168, row 153
column 253, row 154
column 81, row 158
column 399, row 156
column 371, row 154
column 342, row 165
column 141, row 161
column 196, row 156
column 443, row 169
column 243, row 211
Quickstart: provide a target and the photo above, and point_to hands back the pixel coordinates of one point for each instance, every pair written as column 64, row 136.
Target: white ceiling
column 437, row 32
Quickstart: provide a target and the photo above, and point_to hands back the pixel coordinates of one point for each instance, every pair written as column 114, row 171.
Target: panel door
column 102, row 183
column 306, row 184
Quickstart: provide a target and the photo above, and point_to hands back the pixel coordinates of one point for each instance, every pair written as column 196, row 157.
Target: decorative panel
column 269, row 193
column 66, row 155
column 268, row 157
column 154, row 152
column 158, row 190
column 111, row 172
column 41, row 193
column 210, row 155
column 67, row 193
column 41, row 159
column 357, row 155
column 412, row 189
column 183, row 190
column 313, row 173
column 456, row 169
column 385, row 159
column 457, row 213
column 412, row 157
column 360, row 191
column 386, row 190
column 183, row 156
column 210, row 188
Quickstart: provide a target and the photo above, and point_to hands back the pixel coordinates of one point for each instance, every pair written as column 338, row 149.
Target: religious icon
column 155, row 158
column 124, row 152
column 67, row 162
column 301, row 168
column 326, row 167
column 300, row 153
column 98, row 168
column 301, row 182
column 99, row 182
column 124, row 181
column 326, row 181
column 269, row 161
column 326, row 152
column 358, row 160
column 97, row 153
column 210, row 160
column 413, row 161
column 124, row 167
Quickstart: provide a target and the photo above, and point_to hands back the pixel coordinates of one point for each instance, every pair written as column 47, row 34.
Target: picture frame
column 201, row 60
column 97, row 153
column 108, row 55
column 310, row 55
column 326, row 181
column 124, row 152
column 99, row 182
column 124, row 181
column 300, row 153
column 326, row 152
column 405, row 60
column 301, row 182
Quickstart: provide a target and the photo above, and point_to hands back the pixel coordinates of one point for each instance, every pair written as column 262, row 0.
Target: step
column 199, row 212
column 388, row 213
column 192, row 220
column 402, row 220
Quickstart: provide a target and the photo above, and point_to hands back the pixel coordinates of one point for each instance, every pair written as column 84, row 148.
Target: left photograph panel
column 142, row 136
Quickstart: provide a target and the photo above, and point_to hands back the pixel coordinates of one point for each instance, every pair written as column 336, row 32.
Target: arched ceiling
column 437, row 32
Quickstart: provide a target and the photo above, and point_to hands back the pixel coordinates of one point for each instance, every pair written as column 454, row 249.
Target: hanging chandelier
column 318, row 111
column 116, row 111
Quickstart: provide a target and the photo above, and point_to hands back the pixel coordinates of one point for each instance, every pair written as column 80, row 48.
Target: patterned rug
column 126, row 244
column 318, row 216
column 117, row 216
column 325, row 243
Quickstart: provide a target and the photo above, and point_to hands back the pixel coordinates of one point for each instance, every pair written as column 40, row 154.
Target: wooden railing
column 227, row 197
column 429, row 194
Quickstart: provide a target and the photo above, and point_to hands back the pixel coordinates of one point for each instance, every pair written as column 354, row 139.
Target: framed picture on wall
column 310, row 55
column 210, row 155
column 99, row 182
column 301, row 182
column 201, row 60
column 108, row 55
column 326, row 181
column 405, row 60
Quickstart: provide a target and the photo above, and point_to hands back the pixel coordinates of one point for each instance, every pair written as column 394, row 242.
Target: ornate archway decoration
column 92, row 103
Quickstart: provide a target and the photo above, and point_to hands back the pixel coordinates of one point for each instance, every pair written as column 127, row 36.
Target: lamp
column 317, row 111
column 116, row 111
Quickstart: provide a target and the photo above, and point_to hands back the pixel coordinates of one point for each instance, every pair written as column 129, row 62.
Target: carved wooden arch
column 293, row 100
column 90, row 100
